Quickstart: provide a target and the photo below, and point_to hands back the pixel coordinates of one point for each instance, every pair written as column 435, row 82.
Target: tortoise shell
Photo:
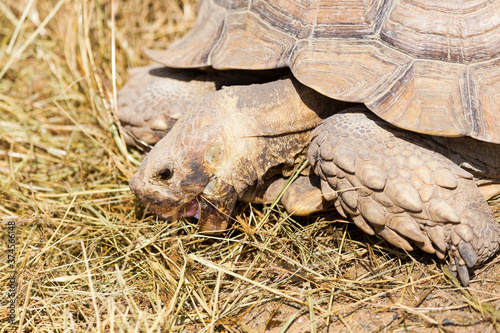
column 429, row 66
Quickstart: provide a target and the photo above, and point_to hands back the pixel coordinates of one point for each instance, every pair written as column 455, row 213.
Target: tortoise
column 412, row 164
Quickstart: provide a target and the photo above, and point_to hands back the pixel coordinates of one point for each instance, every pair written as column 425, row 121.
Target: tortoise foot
column 302, row 197
column 395, row 186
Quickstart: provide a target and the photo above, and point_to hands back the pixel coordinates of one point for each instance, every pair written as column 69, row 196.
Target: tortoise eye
column 165, row 174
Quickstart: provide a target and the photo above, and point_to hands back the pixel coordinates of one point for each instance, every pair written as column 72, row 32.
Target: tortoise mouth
column 191, row 209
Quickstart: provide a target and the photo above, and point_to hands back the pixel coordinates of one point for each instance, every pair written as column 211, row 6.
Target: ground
column 88, row 258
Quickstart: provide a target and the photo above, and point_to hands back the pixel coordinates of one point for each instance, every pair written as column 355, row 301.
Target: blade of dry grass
column 31, row 38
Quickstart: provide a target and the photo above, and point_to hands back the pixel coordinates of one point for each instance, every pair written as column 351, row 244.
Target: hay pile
column 90, row 259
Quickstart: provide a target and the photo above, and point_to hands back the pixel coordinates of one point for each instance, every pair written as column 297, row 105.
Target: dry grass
column 89, row 259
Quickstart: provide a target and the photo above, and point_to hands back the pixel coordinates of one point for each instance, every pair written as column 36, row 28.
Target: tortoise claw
column 467, row 253
column 463, row 273
column 459, row 271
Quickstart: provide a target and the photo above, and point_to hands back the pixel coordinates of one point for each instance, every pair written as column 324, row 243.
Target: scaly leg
column 394, row 185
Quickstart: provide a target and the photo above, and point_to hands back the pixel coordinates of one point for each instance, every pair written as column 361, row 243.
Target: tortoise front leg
column 394, row 186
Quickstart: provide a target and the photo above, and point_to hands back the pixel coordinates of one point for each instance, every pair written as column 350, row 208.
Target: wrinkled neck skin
column 268, row 128
column 225, row 144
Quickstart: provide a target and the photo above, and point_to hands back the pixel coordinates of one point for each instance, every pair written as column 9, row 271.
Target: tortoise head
column 181, row 174
column 231, row 140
